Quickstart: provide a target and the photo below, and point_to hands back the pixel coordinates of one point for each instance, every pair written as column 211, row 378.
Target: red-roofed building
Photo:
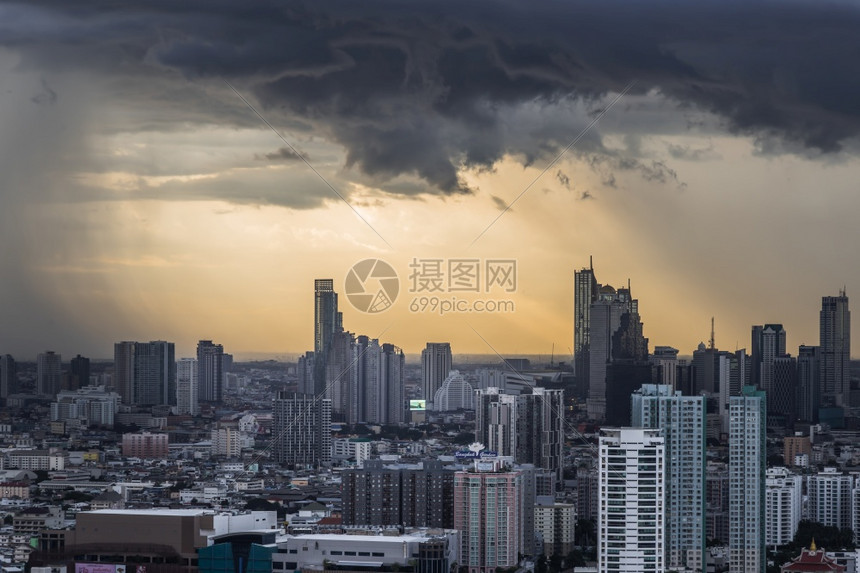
column 812, row 560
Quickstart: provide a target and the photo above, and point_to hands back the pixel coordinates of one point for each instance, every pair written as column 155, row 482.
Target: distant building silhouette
column 49, row 373
column 211, row 373
column 79, row 372
column 767, row 343
column 8, row 376
column 835, row 343
column 436, row 364
column 145, row 372
column 808, row 383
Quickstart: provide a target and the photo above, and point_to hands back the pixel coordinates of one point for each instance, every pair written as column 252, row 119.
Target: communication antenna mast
column 712, row 344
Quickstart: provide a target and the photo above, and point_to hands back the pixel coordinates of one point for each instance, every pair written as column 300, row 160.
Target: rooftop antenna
column 552, row 356
column 711, row 344
column 590, row 262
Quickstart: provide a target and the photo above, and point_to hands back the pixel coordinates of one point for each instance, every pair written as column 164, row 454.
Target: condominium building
column 210, row 371
column 747, row 465
column 488, row 512
column 36, row 460
column 528, row 427
column 830, row 498
column 783, row 505
column 385, row 494
column 632, row 517
column 681, row 420
column 91, row 405
column 301, row 430
column 187, row 394
column 555, row 522
column 145, row 445
column 227, row 441
column 455, row 393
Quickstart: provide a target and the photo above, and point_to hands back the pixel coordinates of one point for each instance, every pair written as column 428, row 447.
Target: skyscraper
column 79, row 372
column 835, row 343
column 528, row 427
column 436, row 362
column 392, row 408
column 488, row 511
column 540, row 430
column 301, row 430
column 8, row 376
column 49, row 373
column 808, row 383
column 210, row 371
column 365, row 386
column 585, row 291
column 682, row 422
column 305, row 373
column 326, row 316
column 767, row 343
column 631, row 518
column 496, row 421
column 665, row 361
column 187, row 398
column 123, row 377
column 327, row 321
column 154, row 379
column 604, row 319
column 339, row 367
column 747, row 466
column 782, row 397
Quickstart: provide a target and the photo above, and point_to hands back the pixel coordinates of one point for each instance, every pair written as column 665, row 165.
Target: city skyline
column 144, row 198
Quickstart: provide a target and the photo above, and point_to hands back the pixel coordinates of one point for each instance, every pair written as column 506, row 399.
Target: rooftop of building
column 154, row 512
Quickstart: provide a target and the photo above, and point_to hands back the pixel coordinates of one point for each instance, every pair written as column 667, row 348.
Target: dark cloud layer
column 424, row 88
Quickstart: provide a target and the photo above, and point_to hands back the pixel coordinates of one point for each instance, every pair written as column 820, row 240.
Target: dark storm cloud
column 423, row 89
column 283, row 154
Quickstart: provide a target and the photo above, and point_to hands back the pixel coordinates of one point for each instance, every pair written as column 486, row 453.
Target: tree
column 574, row 559
column 826, row 536
column 584, row 532
column 540, row 565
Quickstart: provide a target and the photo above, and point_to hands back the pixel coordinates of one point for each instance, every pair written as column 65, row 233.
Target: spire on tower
column 712, row 344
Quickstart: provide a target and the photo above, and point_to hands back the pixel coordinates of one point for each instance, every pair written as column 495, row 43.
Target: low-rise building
column 427, row 550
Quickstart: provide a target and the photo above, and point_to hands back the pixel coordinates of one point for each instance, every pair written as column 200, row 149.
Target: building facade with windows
column 632, row 514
